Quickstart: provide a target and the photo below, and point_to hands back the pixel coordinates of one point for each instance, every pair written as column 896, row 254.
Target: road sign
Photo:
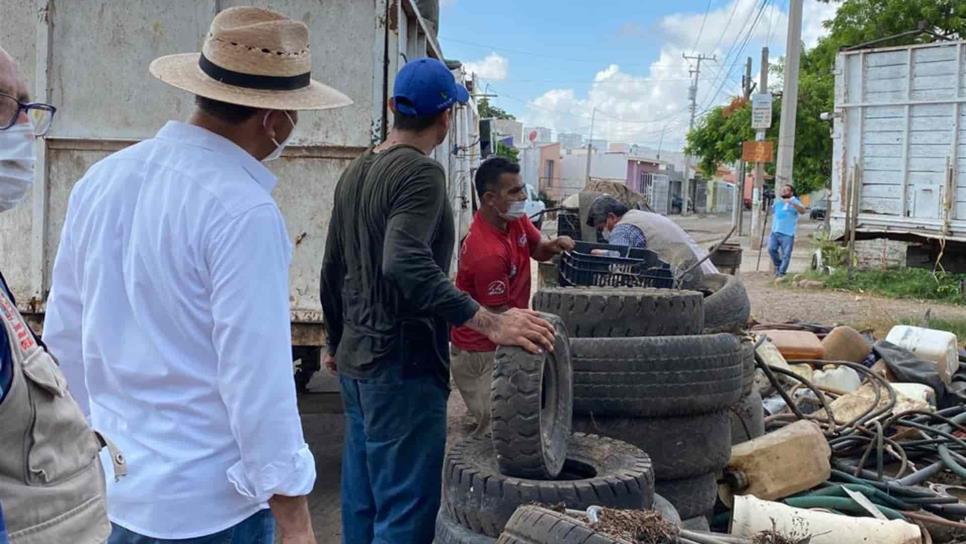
column 762, row 151
column 761, row 111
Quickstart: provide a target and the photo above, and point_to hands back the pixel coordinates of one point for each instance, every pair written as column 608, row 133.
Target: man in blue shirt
column 786, row 210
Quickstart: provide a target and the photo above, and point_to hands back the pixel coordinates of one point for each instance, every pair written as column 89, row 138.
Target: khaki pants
column 472, row 372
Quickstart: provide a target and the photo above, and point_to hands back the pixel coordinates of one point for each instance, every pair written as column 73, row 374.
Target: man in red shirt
column 494, row 269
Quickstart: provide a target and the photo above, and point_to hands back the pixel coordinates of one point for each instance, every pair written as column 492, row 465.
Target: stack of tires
column 727, row 309
column 532, row 457
column 645, row 372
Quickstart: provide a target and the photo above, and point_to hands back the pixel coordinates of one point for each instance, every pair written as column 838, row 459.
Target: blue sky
column 551, row 63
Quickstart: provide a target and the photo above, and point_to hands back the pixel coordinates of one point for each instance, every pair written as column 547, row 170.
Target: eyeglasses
column 40, row 115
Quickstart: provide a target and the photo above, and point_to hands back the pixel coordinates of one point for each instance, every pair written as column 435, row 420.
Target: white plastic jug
column 752, row 516
column 932, row 345
column 839, row 378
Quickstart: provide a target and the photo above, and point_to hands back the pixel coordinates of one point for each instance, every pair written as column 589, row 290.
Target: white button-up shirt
column 169, row 313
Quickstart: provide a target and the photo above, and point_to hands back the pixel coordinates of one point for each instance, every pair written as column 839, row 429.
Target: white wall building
column 570, row 140
column 544, row 135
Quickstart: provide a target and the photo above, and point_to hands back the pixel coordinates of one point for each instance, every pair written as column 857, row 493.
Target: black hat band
column 252, row 81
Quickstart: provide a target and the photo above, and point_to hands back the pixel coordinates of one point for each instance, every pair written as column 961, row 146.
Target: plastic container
column 846, row 344
column 769, row 353
column 796, row 344
column 939, row 347
column 752, row 516
column 778, row 464
column 632, row 267
column 840, row 379
column 916, row 391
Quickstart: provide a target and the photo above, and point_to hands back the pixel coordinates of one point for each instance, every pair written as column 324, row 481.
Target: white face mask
column 279, row 146
column 605, row 232
column 517, row 210
column 16, row 164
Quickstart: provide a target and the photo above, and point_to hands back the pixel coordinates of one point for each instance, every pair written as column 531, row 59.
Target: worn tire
column 602, row 312
column 532, row 524
column 726, row 305
column 531, row 403
column 679, row 447
column 692, row 497
column 747, row 419
column 448, row 531
column 747, row 366
column 482, row 499
column 656, row 376
column 698, row 523
column 667, row 510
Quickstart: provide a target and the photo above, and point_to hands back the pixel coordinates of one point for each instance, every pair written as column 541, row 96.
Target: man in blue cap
column 389, row 304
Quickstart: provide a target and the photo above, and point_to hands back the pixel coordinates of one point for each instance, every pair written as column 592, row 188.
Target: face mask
column 517, row 210
column 279, row 147
column 16, row 164
column 605, row 232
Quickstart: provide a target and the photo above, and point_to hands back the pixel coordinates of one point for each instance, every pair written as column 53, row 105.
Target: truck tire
column 598, row 471
column 726, row 304
column 602, row 312
column 531, row 403
column 679, row 447
column 699, row 523
column 532, row 524
column 747, row 367
column 747, row 419
column 657, row 376
column 448, row 531
column 692, row 497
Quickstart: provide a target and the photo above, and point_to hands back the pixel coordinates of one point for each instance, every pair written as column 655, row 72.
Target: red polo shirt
column 495, row 270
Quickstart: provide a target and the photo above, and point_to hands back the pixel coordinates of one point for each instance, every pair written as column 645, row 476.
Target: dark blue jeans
column 392, row 460
column 780, row 248
column 256, row 529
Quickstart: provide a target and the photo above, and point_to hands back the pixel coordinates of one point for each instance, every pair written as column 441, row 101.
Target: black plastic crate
column 632, row 267
column 568, row 224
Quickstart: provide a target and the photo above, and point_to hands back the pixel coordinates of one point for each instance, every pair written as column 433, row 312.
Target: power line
column 724, row 30
column 741, row 49
column 558, row 57
column 731, row 48
column 704, row 19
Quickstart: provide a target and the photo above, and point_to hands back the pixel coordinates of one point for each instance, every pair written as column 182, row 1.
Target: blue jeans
column 780, row 248
column 392, row 459
column 259, row 528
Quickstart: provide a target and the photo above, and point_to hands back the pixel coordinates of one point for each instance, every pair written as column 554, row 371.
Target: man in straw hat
column 388, row 305
column 170, row 298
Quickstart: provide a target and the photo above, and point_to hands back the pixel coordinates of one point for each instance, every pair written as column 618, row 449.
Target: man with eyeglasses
column 51, row 480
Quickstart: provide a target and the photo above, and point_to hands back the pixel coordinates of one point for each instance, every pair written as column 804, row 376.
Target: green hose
column 842, row 504
column 871, row 493
column 950, row 461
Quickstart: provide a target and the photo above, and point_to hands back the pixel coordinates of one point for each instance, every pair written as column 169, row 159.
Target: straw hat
column 252, row 57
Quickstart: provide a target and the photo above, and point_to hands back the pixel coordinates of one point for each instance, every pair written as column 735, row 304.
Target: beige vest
column 51, row 481
column 671, row 243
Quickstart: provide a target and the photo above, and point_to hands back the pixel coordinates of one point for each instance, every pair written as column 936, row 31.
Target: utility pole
column 593, row 115
column 786, row 135
column 759, row 184
column 737, row 214
column 693, row 96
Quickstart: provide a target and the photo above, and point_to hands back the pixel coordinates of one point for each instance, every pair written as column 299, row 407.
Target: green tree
column 503, row 150
column 716, row 137
column 488, row 111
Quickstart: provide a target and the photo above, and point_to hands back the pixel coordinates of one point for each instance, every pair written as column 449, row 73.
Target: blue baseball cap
column 425, row 87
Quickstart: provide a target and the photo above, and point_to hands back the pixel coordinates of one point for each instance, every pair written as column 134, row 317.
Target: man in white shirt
column 169, row 306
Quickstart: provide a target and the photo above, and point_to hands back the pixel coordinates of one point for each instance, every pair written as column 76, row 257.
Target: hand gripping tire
column 531, row 403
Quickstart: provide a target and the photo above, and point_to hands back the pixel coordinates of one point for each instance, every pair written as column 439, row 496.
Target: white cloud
column 493, row 67
column 639, row 107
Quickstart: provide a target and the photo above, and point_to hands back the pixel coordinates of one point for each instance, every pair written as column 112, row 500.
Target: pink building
column 549, row 171
column 636, row 168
